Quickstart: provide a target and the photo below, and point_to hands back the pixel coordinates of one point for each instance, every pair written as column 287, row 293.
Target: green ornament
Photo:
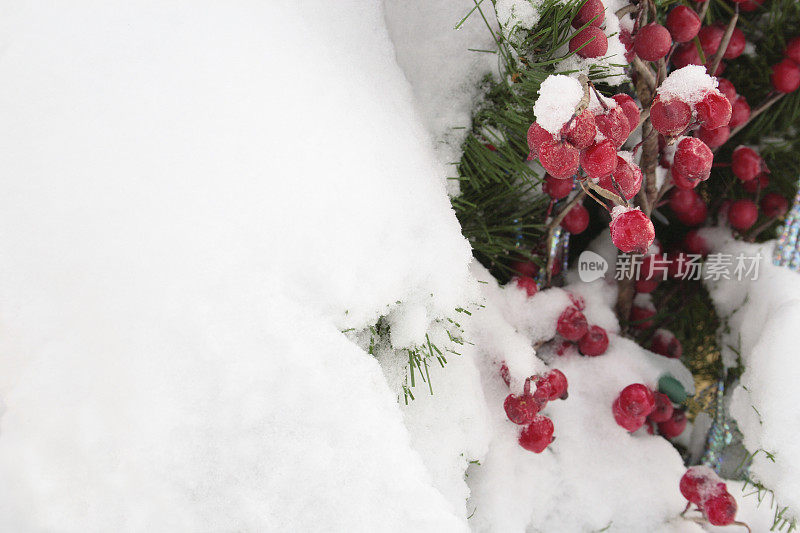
column 672, row 388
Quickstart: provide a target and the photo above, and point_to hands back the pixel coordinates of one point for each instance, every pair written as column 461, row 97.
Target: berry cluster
column 637, row 404
column 524, row 409
column 574, row 328
column 590, row 41
column 703, row 487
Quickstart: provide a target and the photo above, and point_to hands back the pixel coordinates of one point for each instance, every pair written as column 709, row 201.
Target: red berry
column 793, row 49
column 727, row 88
column 785, row 76
column 641, row 317
column 627, row 421
column 761, row 181
column 581, row 130
column 686, row 54
column 504, row 374
column 537, row 136
column 646, row 286
column 628, row 177
column 735, row 45
column 557, row 188
column 714, row 110
column 670, row 118
column 576, row 220
column 742, row 214
column 525, row 268
column 599, row 159
column 720, row 509
column 692, row 163
column 774, row 205
column 631, row 230
column 614, row 125
column 710, row 39
column 572, row 324
column 594, row 343
column 683, row 24
column 637, row 400
column 714, row 138
column 740, row 112
column 595, row 41
column 551, row 386
column 667, row 344
column 521, row 409
column 674, row 426
column 627, row 40
column 630, row 109
column 537, row 435
column 688, row 206
column 528, row 284
column 698, row 483
column 559, row 159
column 746, row 164
column 750, row 5
column 592, row 9
column 695, row 243
column 652, row 42
column 663, row 408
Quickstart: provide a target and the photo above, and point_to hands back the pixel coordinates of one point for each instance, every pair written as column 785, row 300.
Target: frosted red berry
column 670, row 118
column 551, row 386
column 631, row 230
column 665, row 343
column 572, row 324
column 714, row 110
column 746, row 164
column 557, row 188
column 581, row 130
column 759, row 182
column 695, row 243
column 641, row 317
column 740, row 112
column 674, row 426
column 785, row 76
column 589, row 42
column 637, row 400
column 537, row 435
column 710, row 39
column 600, row 159
column 626, row 420
column 720, row 509
column 521, row 409
column 614, row 125
column 537, row 135
column 714, row 138
column 663, row 408
column 683, row 24
column 527, row 284
column 594, row 343
column 652, row 42
column 699, row 483
column 630, row 109
column 692, row 163
column 686, row 54
column 793, row 50
column 559, row 159
column 592, row 9
column 727, row 88
column 628, row 177
column 774, row 205
column 576, row 220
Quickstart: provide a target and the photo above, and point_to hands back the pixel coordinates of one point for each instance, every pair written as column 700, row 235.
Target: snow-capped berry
column 630, row 109
column 774, row 205
column 674, row 426
column 735, row 45
column 652, row 42
column 627, row 421
column 785, row 76
column 692, row 163
column 572, row 324
column 742, row 214
column 720, row 509
column 740, row 112
column 683, row 24
column 714, row 110
column 521, row 409
column 528, row 284
column 698, row 483
column 641, row 317
column 576, row 220
column 537, row 435
column 581, row 130
column 761, row 181
column 557, row 188
column 714, row 138
column 600, row 159
column 592, row 9
column 631, row 230
column 614, row 125
column 746, row 164
column 710, row 39
column 686, row 54
column 628, row 177
column 595, row 41
column 637, row 400
column 727, row 88
column 663, row 408
column 793, row 49
column 670, row 118
column 537, row 135
column 577, row 301
column 695, row 243
column 667, row 344
column 551, row 386
column 594, row 343
column 559, row 159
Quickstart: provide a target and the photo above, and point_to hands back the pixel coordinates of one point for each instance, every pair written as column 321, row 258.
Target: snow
column 515, row 16
column 689, row 84
column 559, row 95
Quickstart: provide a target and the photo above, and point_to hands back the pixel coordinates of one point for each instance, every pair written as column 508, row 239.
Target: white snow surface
column 558, row 97
column 689, row 84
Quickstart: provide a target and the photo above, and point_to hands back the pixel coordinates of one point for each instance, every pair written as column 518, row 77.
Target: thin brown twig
column 645, row 72
column 605, row 193
column 630, row 8
column 723, row 45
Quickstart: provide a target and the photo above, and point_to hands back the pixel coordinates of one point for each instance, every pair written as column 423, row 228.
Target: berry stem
column 723, row 45
column 751, row 236
column 742, row 523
